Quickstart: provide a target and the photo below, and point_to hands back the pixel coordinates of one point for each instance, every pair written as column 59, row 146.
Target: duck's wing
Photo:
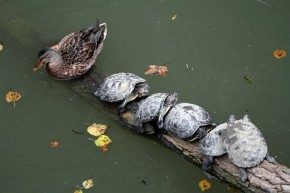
column 78, row 48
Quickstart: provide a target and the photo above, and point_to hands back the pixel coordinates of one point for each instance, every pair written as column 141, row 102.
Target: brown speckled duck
column 75, row 54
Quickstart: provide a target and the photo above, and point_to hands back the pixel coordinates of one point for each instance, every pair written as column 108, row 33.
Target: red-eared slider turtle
column 212, row 145
column 150, row 108
column 244, row 143
column 122, row 86
column 186, row 121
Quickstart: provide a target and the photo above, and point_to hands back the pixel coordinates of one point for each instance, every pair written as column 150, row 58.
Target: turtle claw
column 243, row 174
column 121, row 109
column 270, row 159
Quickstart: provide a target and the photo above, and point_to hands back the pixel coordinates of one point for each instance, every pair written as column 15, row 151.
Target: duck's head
column 48, row 56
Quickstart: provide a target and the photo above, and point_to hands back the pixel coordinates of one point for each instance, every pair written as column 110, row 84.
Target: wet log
column 266, row 177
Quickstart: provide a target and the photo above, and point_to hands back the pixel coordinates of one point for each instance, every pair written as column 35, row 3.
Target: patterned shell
column 149, row 108
column 212, row 143
column 184, row 119
column 117, row 87
column 244, row 142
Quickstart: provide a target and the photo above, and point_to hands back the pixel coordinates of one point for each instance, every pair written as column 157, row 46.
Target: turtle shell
column 212, row 144
column 184, row 119
column 117, row 87
column 149, row 108
column 244, row 142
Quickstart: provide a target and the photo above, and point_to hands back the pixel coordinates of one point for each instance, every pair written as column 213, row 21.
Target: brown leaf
column 155, row 69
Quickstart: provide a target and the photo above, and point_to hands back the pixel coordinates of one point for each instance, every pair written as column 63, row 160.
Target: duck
column 75, row 54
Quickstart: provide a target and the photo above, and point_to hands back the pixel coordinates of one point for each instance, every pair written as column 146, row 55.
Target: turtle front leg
column 201, row 132
column 243, row 174
column 139, row 126
column 128, row 99
column 207, row 163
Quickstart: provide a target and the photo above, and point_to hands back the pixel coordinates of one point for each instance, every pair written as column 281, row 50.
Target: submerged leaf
column 204, row 185
column 279, row 54
column 54, row 144
column 12, row 96
column 78, row 191
column 174, row 17
column 105, row 148
column 88, row 183
column 97, row 129
column 248, row 79
column 103, row 140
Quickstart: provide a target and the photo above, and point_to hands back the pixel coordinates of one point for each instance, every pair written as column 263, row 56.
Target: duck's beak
column 38, row 65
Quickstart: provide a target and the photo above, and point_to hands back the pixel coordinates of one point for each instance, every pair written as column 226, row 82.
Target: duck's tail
column 101, row 31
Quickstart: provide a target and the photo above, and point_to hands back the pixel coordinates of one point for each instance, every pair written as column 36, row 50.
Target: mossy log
column 266, row 177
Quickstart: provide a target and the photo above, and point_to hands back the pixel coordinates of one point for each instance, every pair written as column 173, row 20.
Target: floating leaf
column 103, row 140
column 174, row 17
column 279, row 54
column 97, row 129
column 12, row 96
column 88, row 183
column 104, row 148
column 78, row 191
column 154, row 69
column 204, row 185
column 248, row 79
column 54, row 144
column 1, row 46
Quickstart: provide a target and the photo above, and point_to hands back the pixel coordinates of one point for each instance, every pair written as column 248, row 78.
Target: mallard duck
column 75, row 54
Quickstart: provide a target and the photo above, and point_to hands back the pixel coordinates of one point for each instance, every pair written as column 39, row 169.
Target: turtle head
column 48, row 56
column 231, row 120
column 246, row 117
column 142, row 89
column 171, row 100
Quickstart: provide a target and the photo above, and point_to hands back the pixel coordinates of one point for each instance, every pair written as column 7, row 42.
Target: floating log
column 266, row 177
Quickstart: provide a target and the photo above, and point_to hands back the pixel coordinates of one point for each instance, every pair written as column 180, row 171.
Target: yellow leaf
column 174, row 17
column 103, row 140
column 78, row 191
column 88, row 183
column 97, row 129
column 12, row 96
column 204, row 185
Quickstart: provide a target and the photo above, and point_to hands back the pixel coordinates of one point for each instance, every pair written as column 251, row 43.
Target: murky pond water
column 208, row 49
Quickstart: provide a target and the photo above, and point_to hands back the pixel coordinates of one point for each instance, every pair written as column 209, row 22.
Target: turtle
column 124, row 87
column 245, row 144
column 150, row 108
column 129, row 119
column 186, row 121
column 212, row 145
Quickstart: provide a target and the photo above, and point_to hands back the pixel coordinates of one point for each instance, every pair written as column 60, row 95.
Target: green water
column 208, row 49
